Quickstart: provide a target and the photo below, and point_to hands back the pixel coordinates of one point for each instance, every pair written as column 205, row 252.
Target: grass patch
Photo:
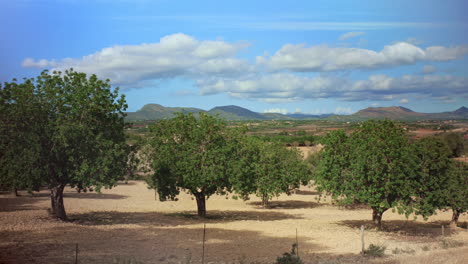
column 406, row 250
column 446, row 243
column 375, row 251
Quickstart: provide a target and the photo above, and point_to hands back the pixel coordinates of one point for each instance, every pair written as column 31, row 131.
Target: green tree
column 62, row 129
column 433, row 174
column 191, row 154
column 375, row 165
column 456, row 190
column 455, row 142
column 267, row 170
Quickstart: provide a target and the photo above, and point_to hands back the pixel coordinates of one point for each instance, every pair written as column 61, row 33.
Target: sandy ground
column 127, row 223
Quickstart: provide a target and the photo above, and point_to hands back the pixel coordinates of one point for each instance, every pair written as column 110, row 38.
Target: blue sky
column 268, row 56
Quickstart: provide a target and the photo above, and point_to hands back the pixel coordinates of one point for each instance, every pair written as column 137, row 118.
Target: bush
column 375, row 250
column 290, row 258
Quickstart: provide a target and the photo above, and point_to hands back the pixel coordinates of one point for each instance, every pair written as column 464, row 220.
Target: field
column 127, row 224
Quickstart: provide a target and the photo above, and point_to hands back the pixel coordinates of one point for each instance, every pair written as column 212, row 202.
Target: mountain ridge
column 237, row 113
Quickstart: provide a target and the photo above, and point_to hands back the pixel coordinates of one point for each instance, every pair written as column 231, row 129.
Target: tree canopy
column 60, row 129
column 268, row 169
column 374, row 165
column 193, row 154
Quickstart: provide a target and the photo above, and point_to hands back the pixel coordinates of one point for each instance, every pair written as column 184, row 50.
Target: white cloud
column 343, row 110
column 352, row 34
column 173, row 56
column 286, row 87
column 429, row 69
column 276, row 110
column 404, row 101
column 300, row 58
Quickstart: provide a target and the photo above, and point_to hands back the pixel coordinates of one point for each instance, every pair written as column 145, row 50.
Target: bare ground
column 127, row 223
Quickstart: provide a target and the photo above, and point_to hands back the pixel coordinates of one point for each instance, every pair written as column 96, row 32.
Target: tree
column 456, row 191
column 433, row 174
column 62, row 129
column 191, row 154
column 374, row 165
column 267, row 170
column 455, row 142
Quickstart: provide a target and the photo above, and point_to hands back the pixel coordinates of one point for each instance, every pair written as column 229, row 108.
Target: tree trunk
column 56, row 202
column 201, row 204
column 377, row 213
column 15, row 192
column 455, row 216
column 264, row 201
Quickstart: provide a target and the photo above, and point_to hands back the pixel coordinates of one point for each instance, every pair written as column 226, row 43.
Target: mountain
column 232, row 112
column 461, row 111
column 393, row 112
column 156, row 112
column 400, row 113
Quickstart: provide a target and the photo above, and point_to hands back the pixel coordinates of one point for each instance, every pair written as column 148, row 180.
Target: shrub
column 375, row 250
column 290, row 258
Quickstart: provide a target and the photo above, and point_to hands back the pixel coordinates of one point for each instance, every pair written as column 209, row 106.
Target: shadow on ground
column 294, row 204
column 304, row 192
column 173, row 219
column 149, row 245
column 20, row 203
column 93, row 195
column 408, row 228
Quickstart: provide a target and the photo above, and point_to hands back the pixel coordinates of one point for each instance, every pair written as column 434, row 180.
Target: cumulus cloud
column 300, row 58
column 343, row 110
column 286, row 87
column 351, row 35
column 176, row 55
column 429, row 69
column 276, row 110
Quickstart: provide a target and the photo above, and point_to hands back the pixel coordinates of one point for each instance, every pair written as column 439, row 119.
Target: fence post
column 297, row 244
column 362, row 239
column 76, row 253
column 203, row 251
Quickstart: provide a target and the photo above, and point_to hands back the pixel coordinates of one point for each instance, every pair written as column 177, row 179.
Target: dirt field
column 126, row 223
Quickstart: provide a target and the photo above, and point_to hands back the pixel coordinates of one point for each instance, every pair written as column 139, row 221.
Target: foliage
column 374, row 165
column 267, row 169
column 62, row 129
column 290, row 258
column 375, row 251
column 191, row 154
column 433, row 166
column 455, row 143
column 455, row 193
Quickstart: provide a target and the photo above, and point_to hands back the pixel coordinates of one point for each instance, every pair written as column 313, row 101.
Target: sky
column 291, row 56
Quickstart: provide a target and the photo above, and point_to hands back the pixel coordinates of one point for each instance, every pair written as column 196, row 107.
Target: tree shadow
column 128, row 183
column 405, row 228
column 173, row 219
column 93, row 195
column 304, row 192
column 149, row 245
column 20, row 203
column 291, row 204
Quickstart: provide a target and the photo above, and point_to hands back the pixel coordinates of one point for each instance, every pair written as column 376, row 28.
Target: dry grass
column 127, row 223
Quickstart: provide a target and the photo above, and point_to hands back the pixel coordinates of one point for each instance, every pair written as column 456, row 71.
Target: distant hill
column 157, row 112
column 400, row 113
column 232, row 112
column 393, row 112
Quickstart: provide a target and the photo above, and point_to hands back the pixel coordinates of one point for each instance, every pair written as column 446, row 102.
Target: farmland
column 127, row 223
